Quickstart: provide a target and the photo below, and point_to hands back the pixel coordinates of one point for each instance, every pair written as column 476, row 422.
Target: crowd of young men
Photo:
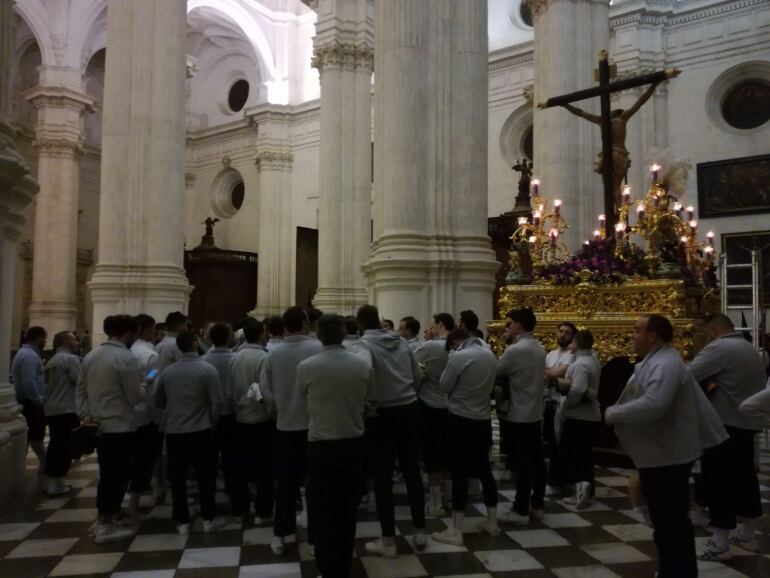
column 325, row 403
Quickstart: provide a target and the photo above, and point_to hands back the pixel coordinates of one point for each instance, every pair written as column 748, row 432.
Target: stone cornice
column 672, row 17
column 60, row 96
column 502, row 60
column 274, row 160
column 344, row 56
column 58, row 148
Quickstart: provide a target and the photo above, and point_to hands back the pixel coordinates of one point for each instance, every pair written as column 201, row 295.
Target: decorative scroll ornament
column 343, row 55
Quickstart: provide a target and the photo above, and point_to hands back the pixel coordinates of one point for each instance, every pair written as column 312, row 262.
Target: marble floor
column 49, row 537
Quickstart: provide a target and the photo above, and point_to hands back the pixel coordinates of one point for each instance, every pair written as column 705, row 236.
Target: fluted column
column 568, row 37
column 277, row 232
column 17, row 189
column 141, row 211
column 59, row 140
column 344, row 57
column 431, row 252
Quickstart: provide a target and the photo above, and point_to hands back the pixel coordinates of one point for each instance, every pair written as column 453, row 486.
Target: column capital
column 344, row 56
column 62, row 148
column 274, row 160
column 60, row 96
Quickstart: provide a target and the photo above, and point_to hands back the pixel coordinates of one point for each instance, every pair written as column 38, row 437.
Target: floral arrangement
column 600, row 258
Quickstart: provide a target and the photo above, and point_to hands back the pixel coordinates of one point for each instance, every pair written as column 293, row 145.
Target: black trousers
column 256, row 452
column 507, row 445
column 529, row 466
column 148, row 446
column 732, row 487
column 227, row 448
column 576, row 450
column 290, row 473
column 36, row 420
column 114, row 453
column 336, row 471
column 396, row 436
column 199, row 451
column 433, row 443
column 667, row 492
column 469, row 440
column 58, row 453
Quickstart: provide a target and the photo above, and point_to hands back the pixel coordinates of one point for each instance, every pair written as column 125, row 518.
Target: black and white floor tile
column 49, row 537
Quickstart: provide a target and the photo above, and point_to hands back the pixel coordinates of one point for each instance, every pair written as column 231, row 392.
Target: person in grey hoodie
column 395, row 432
column 168, row 351
column 409, row 329
column 28, row 378
column 732, row 487
column 62, row 375
column 255, row 426
column 664, row 422
column 278, row 379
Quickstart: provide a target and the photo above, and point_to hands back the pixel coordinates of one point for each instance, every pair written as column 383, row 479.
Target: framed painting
column 734, row 187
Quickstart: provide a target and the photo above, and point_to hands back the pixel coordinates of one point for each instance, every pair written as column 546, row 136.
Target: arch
column 726, row 81
column 34, row 14
column 513, row 132
column 248, row 25
column 92, row 16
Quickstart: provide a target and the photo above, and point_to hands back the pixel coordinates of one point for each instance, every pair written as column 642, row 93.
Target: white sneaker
column 553, row 491
column 483, row 526
column 112, row 533
column 750, row 544
column 449, row 536
column 435, row 512
column 183, row 529
column 507, row 476
column 378, row 548
column 713, row 554
column 276, row 545
column 213, row 525
column 513, row 518
column 302, row 519
column 420, row 540
column 536, row 514
column 57, row 488
column 583, row 495
column 262, row 521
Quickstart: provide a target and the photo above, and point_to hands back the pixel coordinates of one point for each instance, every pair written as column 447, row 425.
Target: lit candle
column 597, row 235
column 709, row 251
column 552, row 234
column 626, row 194
column 693, row 226
column 654, row 172
column 655, row 200
column 683, row 240
column 601, row 220
column 557, row 207
column 710, row 239
column 620, row 228
column 532, row 239
column 640, row 212
column 536, row 218
column 690, row 213
column 535, row 188
column 586, row 242
column 541, row 208
column 678, row 209
column 522, row 221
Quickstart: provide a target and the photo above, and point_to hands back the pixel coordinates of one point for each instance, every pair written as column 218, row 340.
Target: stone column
column 431, row 252
column 141, row 211
column 568, row 37
column 344, row 57
column 17, row 189
column 61, row 104
column 277, row 233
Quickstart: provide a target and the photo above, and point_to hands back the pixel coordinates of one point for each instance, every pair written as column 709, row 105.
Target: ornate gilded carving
column 274, row 160
column 344, row 55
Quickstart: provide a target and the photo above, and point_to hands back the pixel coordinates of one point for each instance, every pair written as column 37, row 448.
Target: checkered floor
column 49, row 537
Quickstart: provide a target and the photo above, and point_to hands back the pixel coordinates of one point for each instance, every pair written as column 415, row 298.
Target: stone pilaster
column 141, row 212
column 344, row 57
column 17, row 190
column 431, row 252
column 568, row 37
column 59, row 141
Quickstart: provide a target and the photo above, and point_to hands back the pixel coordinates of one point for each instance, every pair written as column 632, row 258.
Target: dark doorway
column 307, row 266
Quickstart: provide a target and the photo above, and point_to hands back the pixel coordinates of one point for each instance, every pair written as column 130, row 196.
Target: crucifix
column 613, row 161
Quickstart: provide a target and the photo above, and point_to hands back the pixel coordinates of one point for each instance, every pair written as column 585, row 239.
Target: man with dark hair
column 28, row 379
column 556, row 363
column 732, row 488
column 255, row 427
column 168, row 351
column 335, row 385
column 468, row 380
column 388, row 324
column 409, row 329
column 432, row 357
column 108, row 391
column 469, row 320
column 278, row 381
column 189, row 392
column 396, row 429
column 275, row 330
column 62, row 375
column 523, row 363
column 664, row 422
column 313, row 315
column 351, row 331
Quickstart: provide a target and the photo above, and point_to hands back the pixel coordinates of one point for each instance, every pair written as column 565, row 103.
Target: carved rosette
column 343, row 56
column 271, row 160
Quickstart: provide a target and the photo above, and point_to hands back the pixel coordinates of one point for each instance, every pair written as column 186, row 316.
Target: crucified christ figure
column 618, row 120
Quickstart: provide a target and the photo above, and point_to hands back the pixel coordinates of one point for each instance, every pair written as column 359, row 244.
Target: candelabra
column 541, row 235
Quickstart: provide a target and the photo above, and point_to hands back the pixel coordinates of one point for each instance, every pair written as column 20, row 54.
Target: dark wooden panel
column 306, row 282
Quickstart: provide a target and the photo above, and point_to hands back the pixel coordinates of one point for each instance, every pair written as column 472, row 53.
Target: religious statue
column 524, row 168
column 207, row 241
column 618, row 120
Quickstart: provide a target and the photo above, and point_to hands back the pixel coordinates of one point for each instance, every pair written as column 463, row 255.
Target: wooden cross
column 613, row 127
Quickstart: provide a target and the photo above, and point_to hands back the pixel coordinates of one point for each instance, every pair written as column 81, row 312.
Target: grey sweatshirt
column 168, row 352
column 27, row 375
column 62, row 375
column 335, row 385
column 524, row 364
column 468, row 380
column 662, row 417
column 278, row 381
column 148, row 359
column 110, row 387
column 432, row 357
column 245, row 370
column 757, row 407
column 395, row 369
column 583, row 374
column 221, row 358
column 189, row 392
column 739, row 373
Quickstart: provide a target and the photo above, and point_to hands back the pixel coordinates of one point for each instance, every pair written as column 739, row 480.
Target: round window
column 525, row 12
column 747, row 104
column 236, row 195
column 238, row 95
